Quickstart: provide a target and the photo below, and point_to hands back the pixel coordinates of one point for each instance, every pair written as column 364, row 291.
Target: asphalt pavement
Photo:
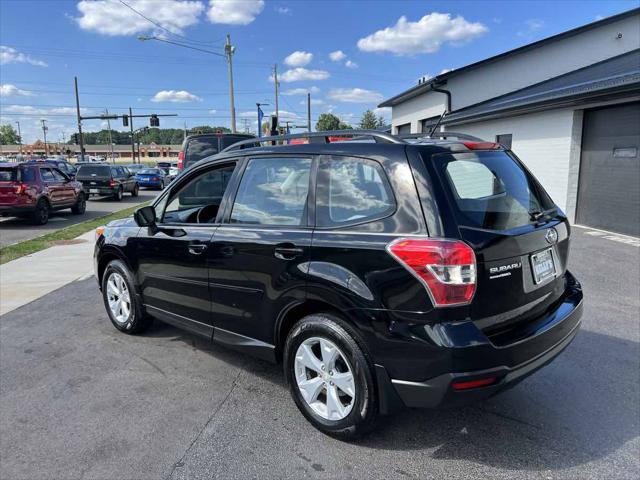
column 80, row 400
column 13, row 230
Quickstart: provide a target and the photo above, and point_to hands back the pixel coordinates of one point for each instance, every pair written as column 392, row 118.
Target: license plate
column 93, row 190
column 543, row 266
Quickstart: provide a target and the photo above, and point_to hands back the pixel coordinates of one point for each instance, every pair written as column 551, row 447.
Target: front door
column 174, row 261
column 259, row 252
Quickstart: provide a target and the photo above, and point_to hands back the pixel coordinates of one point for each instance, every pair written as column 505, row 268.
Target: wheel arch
column 107, row 255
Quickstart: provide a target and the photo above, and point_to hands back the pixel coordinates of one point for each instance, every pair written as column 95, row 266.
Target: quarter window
column 352, row 190
column 46, row 175
column 273, row 191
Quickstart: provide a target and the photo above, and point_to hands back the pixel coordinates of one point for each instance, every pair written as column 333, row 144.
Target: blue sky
column 349, row 54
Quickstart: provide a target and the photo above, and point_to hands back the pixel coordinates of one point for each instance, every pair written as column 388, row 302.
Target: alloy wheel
column 119, row 298
column 325, row 378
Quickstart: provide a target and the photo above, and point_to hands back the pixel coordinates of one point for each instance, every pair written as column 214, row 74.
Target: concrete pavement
column 28, row 278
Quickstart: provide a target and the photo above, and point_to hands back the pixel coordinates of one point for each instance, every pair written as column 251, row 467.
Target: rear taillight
column 154, row 179
column 112, row 183
column 447, row 268
column 180, row 159
column 20, row 188
column 482, row 145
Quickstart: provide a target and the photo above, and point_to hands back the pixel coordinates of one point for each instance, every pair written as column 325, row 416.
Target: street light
column 229, row 50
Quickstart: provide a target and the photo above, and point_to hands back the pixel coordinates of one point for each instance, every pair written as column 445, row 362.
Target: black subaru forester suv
column 383, row 272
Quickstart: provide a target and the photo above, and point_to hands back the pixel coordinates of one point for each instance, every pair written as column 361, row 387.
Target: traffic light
column 125, row 120
column 154, row 121
column 75, row 138
column 274, row 125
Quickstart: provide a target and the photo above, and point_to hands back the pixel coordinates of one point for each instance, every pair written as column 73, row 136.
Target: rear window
column 490, row 190
column 199, row 148
column 91, row 170
column 8, row 174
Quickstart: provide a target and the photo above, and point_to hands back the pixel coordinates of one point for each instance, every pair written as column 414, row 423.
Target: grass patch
column 17, row 250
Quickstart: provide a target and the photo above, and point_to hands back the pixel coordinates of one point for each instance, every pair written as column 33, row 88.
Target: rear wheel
column 330, row 377
column 118, row 195
column 40, row 215
column 122, row 304
column 136, row 189
column 80, row 206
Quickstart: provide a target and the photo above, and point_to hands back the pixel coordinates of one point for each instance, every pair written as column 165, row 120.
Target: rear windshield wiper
column 538, row 214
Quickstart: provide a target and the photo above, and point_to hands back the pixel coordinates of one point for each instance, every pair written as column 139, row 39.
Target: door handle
column 287, row 253
column 197, row 248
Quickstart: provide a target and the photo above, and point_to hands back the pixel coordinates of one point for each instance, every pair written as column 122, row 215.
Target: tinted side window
column 352, row 190
column 27, row 174
column 115, row 172
column 47, row 175
column 58, row 175
column 273, row 191
column 203, row 191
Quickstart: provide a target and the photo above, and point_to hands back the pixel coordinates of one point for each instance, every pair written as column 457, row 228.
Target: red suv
column 32, row 191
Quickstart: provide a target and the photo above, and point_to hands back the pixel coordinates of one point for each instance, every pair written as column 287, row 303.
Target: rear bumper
column 507, row 365
column 10, row 210
column 148, row 184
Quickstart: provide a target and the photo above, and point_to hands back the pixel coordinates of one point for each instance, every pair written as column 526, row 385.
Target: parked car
column 151, row 178
column 105, row 179
column 65, row 167
column 170, row 170
column 417, row 273
column 136, row 167
column 196, row 147
column 33, row 190
column 173, row 173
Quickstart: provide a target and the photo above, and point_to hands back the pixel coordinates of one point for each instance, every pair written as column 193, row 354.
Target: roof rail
column 461, row 136
column 380, row 137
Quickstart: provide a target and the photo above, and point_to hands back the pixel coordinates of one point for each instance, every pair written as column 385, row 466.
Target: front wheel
column 80, row 206
column 330, row 377
column 122, row 304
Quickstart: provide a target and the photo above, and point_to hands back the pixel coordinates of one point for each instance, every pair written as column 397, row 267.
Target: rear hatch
column 147, row 176
column 520, row 238
column 94, row 176
column 198, row 148
column 9, row 184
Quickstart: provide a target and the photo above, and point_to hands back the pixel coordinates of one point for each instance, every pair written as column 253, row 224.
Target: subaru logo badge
column 551, row 236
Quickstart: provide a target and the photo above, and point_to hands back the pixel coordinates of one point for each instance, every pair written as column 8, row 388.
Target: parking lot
column 13, row 230
column 80, row 400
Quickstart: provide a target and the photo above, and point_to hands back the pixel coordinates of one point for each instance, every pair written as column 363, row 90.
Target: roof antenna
column 437, row 124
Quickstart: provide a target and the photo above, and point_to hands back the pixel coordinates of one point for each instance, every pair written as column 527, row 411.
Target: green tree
column 368, row 121
column 8, row 135
column 328, row 121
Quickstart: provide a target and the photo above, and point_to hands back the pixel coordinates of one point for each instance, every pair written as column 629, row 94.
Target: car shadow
column 580, row 408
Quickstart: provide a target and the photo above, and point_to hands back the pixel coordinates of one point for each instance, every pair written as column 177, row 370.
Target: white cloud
column 300, row 91
column 424, row 36
column 110, row 17
column 175, row 96
column 354, row 95
column 284, row 11
column 314, row 101
column 212, row 112
column 350, row 64
column 234, row 12
column 383, row 112
column 29, row 110
column 531, row 26
column 9, row 90
column 299, row 59
column 337, row 56
column 299, row 74
column 11, row 55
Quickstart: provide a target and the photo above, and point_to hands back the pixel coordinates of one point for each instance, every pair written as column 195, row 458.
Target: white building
column 568, row 106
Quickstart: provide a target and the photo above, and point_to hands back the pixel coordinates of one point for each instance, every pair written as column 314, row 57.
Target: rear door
column 258, row 251
column 520, row 238
column 68, row 193
column 54, row 186
column 9, row 181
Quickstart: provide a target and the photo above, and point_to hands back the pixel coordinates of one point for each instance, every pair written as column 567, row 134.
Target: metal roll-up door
column 609, row 184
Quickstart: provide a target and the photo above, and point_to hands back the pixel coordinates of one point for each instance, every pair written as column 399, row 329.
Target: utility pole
column 106, row 112
column 19, row 136
column 229, row 50
column 44, row 133
column 277, row 84
column 79, row 121
column 133, row 145
column 309, row 111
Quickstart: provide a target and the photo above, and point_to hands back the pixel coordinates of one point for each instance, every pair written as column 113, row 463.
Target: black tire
column 138, row 321
column 118, row 195
column 136, row 189
column 80, row 206
column 40, row 215
column 362, row 417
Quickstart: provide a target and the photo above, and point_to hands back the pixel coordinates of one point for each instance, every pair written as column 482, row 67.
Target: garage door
column 609, row 185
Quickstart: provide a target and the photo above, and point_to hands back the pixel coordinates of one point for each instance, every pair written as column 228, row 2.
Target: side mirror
column 145, row 216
